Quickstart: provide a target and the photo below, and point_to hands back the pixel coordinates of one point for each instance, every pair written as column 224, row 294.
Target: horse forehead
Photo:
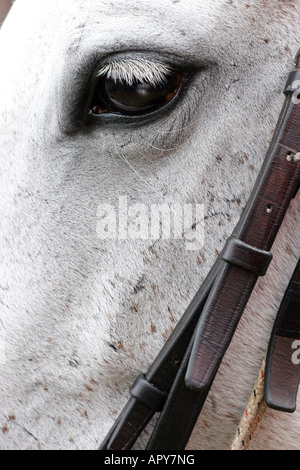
column 93, row 8
column 76, row 21
column 51, row 17
column 46, row 18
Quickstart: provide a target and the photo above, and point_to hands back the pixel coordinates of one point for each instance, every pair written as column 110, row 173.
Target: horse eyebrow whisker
column 132, row 71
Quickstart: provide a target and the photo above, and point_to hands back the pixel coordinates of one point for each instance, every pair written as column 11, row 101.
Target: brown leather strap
column 222, row 296
column 184, row 405
column 277, row 184
column 282, row 375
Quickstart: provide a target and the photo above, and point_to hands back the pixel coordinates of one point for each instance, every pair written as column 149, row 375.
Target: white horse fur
column 80, row 317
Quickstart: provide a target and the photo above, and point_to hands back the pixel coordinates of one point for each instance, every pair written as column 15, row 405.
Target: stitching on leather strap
column 246, row 256
column 147, row 394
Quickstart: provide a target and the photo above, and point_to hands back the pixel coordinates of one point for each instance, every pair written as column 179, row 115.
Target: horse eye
column 113, row 95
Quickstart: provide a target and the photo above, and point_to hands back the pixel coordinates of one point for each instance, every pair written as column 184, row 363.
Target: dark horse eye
column 113, row 95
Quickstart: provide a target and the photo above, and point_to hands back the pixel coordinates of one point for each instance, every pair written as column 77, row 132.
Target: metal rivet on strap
column 293, row 158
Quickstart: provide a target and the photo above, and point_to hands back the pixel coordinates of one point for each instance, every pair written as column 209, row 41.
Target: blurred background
column 4, row 8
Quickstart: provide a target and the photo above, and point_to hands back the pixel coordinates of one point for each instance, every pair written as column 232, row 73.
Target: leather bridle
column 179, row 380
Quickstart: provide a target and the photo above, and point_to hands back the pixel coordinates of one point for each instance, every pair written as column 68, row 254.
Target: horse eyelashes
column 135, row 70
column 134, row 88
